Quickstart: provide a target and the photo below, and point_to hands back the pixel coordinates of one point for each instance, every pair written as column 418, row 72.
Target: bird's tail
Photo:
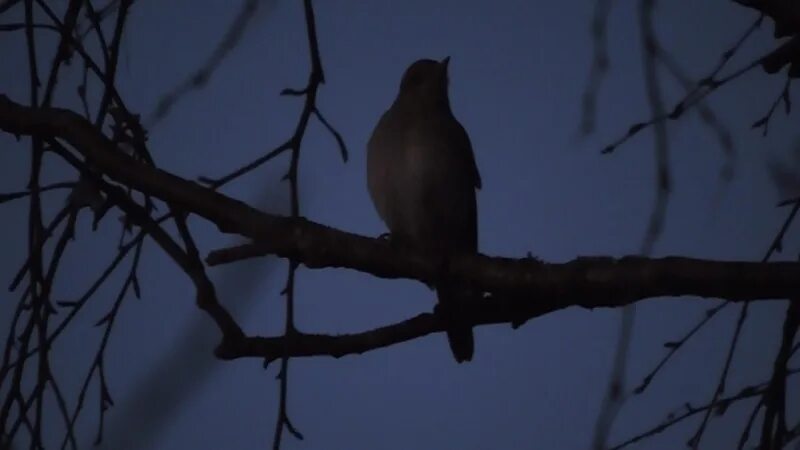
column 458, row 327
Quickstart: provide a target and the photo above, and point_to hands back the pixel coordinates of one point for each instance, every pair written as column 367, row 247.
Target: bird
column 423, row 180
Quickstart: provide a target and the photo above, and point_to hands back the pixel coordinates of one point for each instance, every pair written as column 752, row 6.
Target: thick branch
column 588, row 282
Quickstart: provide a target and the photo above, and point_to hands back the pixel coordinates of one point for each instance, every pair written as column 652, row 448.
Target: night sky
column 517, row 72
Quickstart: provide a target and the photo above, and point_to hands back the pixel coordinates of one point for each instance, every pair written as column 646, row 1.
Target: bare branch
column 49, row 187
column 720, row 406
column 200, row 77
column 588, row 281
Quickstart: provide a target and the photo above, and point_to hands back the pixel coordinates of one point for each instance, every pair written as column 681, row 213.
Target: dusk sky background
column 517, row 72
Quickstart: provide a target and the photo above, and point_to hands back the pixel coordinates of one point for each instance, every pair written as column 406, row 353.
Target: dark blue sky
column 517, row 72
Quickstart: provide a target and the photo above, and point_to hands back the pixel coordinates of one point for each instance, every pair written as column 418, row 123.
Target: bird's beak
column 445, row 62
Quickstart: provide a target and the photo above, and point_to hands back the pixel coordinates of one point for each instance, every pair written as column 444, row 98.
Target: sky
column 517, row 72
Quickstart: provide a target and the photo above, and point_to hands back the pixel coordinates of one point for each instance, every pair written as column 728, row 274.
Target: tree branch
column 588, row 282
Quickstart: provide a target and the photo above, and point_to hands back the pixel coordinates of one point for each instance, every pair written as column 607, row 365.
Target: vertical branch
column 774, row 430
column 63, row 51
column 654, row 96
column 94, row 20
column 775, row 246
column 599, row 68
column 315, row 79
column 42, row 307
column 694, row 441
column 615, row 394
column 113, row 59
column 98, row 364
column 46, row 375
column 653, row 52
column 35, row 308
column 38, row 313
column 283, row 376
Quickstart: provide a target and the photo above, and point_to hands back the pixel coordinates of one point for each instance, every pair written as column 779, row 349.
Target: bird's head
column 425, row 81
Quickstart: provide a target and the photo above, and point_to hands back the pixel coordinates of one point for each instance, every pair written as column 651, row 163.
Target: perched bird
column 422, row 177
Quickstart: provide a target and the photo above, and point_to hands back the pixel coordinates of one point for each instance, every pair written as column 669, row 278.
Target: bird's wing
column 465, row 151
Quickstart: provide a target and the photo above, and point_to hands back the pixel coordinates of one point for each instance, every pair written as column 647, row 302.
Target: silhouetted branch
column 694, row 441
column 98, row 363
column 218, row 182
column 774, row 432
column 705, row 87
column 707, row 115
column 49, row 187
column 316, row 78
column 599, row 67
column 615, row 393
column 318, row 246
column 783, row 97
column 719, row 407
column 201, row 76
column 775, row 246
column 674, row 346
